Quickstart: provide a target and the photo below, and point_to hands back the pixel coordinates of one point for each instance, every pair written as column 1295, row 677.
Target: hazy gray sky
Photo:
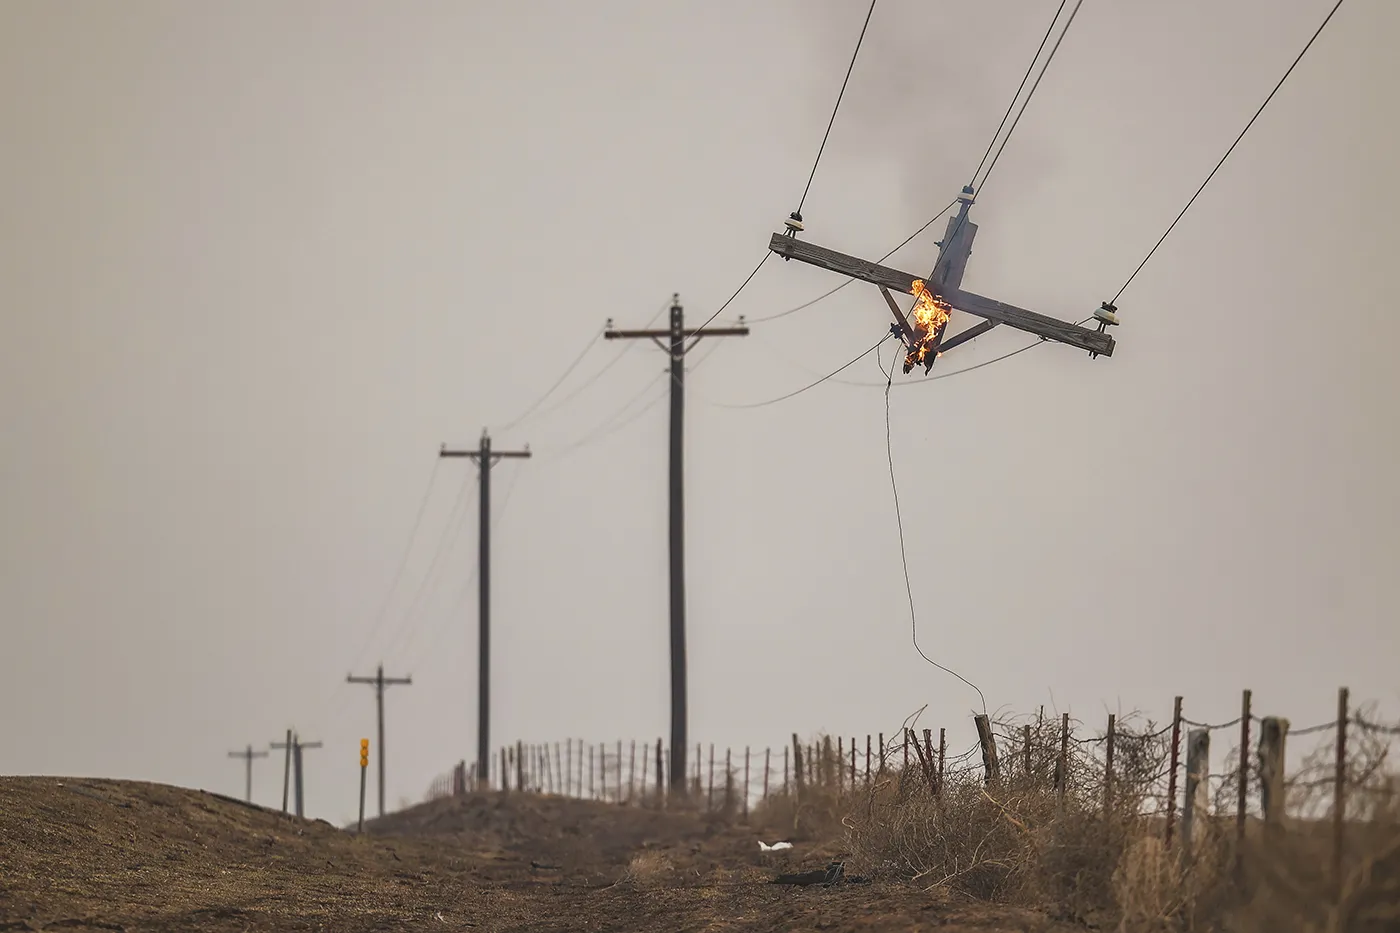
column 260, row 259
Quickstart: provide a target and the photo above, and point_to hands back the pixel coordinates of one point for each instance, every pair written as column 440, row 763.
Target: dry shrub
column 1096, row 854
column 647, row 869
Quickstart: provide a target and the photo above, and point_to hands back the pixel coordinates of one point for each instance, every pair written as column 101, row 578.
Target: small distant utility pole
column 294, row 747
column 485, row 458
column 380, row 682
column 248, row 755
column 677, row 342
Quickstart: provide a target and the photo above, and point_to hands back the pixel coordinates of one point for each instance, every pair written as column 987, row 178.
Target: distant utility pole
column 294, row 745
column 485, row 458
column 677, row 342
column 248, row 755
column 380, row 682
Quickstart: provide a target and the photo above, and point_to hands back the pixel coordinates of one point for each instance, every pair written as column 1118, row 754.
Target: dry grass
column 1097, row 853
column 648, row 869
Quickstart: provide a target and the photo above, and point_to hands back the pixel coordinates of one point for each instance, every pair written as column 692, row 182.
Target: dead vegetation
column 1090, row 845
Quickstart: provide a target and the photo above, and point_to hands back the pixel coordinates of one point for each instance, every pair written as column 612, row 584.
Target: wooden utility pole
column 677, row 342
column 485, row 458
column 943, row 294
column 380, row 682
column 294, row 747
column 248, row 755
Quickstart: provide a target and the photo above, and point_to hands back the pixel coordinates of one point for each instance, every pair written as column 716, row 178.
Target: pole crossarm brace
column 995, row 312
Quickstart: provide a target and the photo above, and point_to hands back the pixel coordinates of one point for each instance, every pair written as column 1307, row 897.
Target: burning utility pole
column 936, row 299
column 677, row 341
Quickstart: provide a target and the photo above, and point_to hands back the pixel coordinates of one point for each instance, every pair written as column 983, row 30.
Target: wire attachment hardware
column 1107, row 316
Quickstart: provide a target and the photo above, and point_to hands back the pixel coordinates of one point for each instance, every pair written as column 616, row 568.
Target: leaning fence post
column 1175, row 760
column 1197, row 798
column 1108, row 765
column 1339, row 803
column 1273, row 736
column 989, row 748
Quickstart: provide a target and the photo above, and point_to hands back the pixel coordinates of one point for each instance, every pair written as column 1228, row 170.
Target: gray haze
column 259, row 259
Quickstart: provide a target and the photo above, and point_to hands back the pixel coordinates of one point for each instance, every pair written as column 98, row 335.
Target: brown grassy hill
column 80, row 854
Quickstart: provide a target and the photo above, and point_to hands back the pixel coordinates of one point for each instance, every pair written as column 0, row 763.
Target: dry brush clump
column 1058, row 829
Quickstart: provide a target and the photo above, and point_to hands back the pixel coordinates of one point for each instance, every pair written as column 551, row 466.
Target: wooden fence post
column 925, row 762
column 580, row 769
column 1339, row 802
column 786, row 774
column 867, row 759
column 767, row 767
column 1062, row 763
column 1108, row 765
column 796, row 763
column 661, row 789
column 568, row 767
column 642, row 788
column 591, row 783
column 1175, row 761
column 632, row 769
column 520, row 765
column 826, row 760
column 1243, row 801
column 505, row 771
column 710, row 795
column 840, row 764
column 881, row 772
column 728, row 782
column 1273, row 736
column 1197, row 799
column 987, row 740
column 746, row 784
column 602, row 772
column 853, row 764
column 618, row 783
column 942, row 756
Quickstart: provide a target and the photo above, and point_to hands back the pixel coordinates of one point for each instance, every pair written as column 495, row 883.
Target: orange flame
column 930, row 314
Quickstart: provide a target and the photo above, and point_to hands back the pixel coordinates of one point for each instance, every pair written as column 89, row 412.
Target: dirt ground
column 86, row 854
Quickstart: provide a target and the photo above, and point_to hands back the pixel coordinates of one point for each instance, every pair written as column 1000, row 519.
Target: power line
column 797, row 214
column 903, row 555
column 1164, row 236
column 383, row 612
column 451, row 531
column 810, row 385
column 1051, row 57
column 731, row 298
column 832, row 121
column 557, row 383
column 990, row 144
column 1019, row 87
column 607, row 425
column 597, row 375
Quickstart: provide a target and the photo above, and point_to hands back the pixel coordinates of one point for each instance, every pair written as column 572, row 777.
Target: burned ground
column 115, row 855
